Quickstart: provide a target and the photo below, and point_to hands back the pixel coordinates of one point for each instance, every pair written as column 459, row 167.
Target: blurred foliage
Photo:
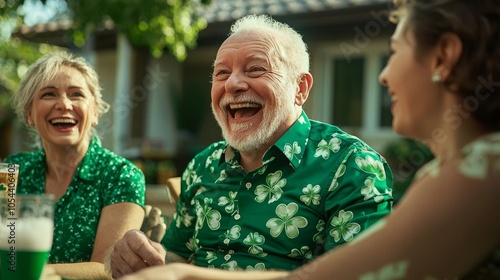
column 405, row 156
column 15, row 57
column 156, row 24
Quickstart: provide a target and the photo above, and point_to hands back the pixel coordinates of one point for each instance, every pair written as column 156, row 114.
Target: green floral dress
column 317, row 189
column 102, row 178
column 445, row 227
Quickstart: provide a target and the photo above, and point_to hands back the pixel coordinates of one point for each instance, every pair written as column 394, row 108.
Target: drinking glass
column 26, row 230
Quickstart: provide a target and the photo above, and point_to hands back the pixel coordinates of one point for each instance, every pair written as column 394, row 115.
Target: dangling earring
column 436, row 77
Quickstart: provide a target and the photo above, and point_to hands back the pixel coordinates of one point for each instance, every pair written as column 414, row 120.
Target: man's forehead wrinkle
column 263, row 47
column 254, row 56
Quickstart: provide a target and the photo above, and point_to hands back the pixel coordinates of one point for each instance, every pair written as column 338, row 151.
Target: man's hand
column 134, row 252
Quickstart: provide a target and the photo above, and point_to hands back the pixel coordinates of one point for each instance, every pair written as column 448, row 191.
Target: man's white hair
column 293, row 48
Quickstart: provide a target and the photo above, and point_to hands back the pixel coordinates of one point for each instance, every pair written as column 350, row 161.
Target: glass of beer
column 8, row 178
column 26, row 230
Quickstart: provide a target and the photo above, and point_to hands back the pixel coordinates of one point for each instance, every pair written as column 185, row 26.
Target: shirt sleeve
column 127, row 184
column 359, row 196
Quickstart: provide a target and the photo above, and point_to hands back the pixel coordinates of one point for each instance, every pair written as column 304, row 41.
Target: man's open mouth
column 243, row 110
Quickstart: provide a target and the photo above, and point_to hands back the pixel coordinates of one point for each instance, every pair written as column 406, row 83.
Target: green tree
column 157, row 24
column 15, row 56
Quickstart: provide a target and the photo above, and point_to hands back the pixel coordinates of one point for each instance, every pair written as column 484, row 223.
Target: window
column 347, row 92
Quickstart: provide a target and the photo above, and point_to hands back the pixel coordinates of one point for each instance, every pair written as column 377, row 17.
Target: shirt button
column 248, row 185
column 226, row 241
column 237, row 216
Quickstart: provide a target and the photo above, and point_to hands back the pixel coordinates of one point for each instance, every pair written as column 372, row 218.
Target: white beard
column 267, row 128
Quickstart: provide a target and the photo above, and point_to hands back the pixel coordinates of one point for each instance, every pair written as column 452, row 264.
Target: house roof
column 313, row 17
column 229, row 10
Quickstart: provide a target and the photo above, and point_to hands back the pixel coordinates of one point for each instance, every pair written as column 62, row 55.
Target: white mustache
column 226, row 100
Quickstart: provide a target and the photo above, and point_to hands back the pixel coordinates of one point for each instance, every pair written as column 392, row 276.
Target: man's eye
column 256, row 72
column 220, row 75
column 257, row 69
column 221, row 72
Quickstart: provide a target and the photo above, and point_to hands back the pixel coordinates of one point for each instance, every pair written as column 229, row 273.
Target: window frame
column 323, row 101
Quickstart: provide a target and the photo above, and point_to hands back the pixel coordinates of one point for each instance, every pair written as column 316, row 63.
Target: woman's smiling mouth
column 63, row 122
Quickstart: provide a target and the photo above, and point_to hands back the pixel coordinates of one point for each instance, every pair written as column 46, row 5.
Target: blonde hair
column 43, row 71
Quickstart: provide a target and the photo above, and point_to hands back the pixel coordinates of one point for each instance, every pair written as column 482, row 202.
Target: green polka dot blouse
column 102, row 178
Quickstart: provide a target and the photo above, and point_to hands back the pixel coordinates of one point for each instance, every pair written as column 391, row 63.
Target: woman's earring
column 436, row 77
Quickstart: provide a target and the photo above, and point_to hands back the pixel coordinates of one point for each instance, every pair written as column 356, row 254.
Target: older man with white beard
column 281, row 189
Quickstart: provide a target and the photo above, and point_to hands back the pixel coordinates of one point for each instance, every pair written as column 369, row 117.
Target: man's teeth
column 243, row 105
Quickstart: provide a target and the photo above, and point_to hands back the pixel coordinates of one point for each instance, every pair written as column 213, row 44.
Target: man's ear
column 304, row 87
column 447, row 53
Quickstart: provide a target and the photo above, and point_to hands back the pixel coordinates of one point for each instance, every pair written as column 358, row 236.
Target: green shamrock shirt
column 101, row 179
column 318, row 188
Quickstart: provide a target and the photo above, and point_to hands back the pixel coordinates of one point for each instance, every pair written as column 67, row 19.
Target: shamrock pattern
column 287, row 211
column 286, row 221
column 343, row 227
column 272, row 189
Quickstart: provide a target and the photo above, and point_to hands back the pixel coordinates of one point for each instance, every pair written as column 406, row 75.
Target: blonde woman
column 98, row 195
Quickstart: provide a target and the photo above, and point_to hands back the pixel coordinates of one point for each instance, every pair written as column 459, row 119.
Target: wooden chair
column 174, row 188
column 154, row 225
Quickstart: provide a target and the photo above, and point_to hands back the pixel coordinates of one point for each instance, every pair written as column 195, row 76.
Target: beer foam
column 29, row 234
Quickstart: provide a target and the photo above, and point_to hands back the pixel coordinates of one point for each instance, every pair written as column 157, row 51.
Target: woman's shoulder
column 481, row 158
column 24, row 157
column 105, row 156
column 104, row 161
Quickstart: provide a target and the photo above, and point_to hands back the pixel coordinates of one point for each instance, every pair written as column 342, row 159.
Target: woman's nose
column 64, row 103
column 382, row 77
column 236, row 83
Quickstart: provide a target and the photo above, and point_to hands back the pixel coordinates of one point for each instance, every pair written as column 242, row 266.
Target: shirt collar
column 292, row 144
column 86, row 168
